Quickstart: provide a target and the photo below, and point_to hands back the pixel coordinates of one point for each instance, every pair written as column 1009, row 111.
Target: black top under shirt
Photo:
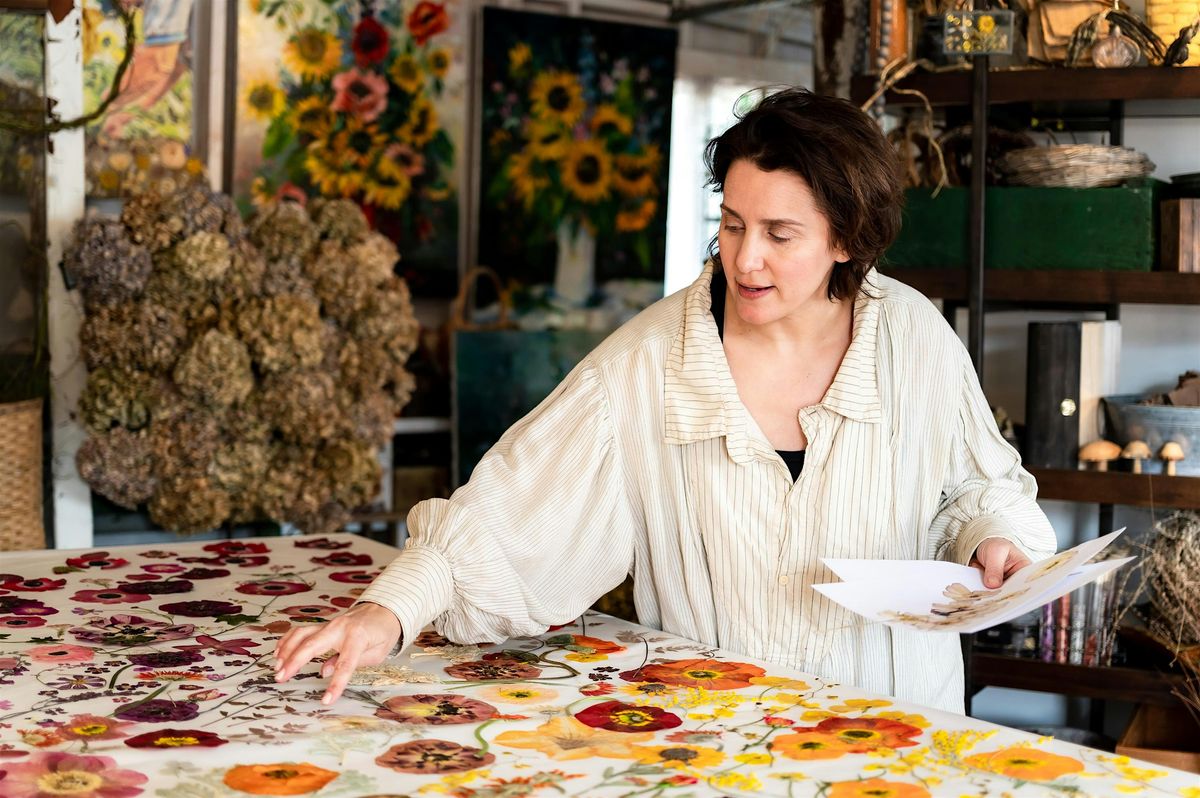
column 793, row 460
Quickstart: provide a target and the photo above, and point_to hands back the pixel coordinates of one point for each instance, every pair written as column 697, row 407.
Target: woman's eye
column 733, row 228
column 778, row 239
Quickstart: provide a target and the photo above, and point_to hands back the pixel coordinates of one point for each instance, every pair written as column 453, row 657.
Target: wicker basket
column 21, row 476
column 1075, row 166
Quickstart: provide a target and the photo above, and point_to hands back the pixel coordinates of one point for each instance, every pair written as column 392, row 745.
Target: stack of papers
column 936, row 596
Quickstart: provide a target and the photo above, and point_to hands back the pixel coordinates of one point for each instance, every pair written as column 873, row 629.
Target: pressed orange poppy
column 867, row 734
column 810, row 745
column 710, row 674
column 1026, row 764
column 876, row 788
column 596, row 645
column 284, row 778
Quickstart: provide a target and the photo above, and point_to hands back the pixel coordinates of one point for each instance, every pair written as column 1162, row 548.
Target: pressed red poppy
column 108, row 596
column 322, row 543
column 309, row 610
column 175, row 738
column 227, row 548
column 33, row 585
column 621, row 717
column 273, row 588
column 96, row 559
column 19, row 622
column 344, row 559
column 427, row 20
column 355, row 577
column 370, row 42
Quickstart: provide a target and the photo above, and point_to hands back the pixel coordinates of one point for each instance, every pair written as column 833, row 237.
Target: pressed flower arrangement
column 238, row 374
column 350, row 100
column 576, row 131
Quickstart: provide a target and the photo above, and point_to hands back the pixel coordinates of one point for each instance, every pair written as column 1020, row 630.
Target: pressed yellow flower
column 1130, row 789
column 679, row 755
column 817, row 714
column 794, row 775
column 607, row 120
column 557, row 96
column 753, row 758
column 737, row 781
column 313, row 117
column 548, row 141
column 422, row 124
column 406, row 73
column 987, row 24
column 860, row 704
column 1190, row 792
column 1140, row 774
column 264, row 100
column 439, row 62
column 519, row 56
column 452, row 781
column 108, row 180
column 586, row 657
column 587, row 171
column 919, row 721
column 313, row 53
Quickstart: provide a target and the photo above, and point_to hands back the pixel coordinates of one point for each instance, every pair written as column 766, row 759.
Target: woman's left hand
column 999, row 559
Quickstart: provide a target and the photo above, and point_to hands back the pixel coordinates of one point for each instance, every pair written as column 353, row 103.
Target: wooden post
column 64, row 207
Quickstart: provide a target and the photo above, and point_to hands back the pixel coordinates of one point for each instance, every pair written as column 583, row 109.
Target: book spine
column 1078, row 627
column 1062, row 625
column 1046, row 633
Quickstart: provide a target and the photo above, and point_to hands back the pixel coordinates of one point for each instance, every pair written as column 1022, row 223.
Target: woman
column 791, row 404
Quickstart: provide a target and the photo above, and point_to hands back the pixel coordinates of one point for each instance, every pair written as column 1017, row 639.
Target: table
column 147, row 671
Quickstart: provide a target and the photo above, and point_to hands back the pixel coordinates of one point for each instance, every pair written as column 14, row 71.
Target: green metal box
column 1034, row 228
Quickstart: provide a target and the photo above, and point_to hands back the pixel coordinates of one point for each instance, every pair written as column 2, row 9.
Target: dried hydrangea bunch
column 239, row 372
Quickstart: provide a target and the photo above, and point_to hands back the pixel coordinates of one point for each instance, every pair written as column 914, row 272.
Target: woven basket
column 1075, row 166
column 21, row 476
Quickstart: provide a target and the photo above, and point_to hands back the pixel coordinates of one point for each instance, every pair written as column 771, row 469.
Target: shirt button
column 783, row 580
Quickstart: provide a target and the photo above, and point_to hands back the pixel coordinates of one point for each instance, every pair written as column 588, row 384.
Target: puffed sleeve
column 543, row 528
column 985, row 493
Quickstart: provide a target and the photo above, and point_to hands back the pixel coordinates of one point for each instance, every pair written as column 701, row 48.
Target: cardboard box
column 1180, row 250
column 1163, row 735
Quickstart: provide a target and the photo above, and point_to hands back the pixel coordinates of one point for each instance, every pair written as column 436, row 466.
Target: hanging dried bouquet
column 239, row 372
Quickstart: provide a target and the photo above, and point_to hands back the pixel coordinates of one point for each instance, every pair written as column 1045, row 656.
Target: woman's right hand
column 363, row 635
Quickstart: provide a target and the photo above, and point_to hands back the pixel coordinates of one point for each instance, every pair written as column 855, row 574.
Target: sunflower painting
column 576, row 119
column 144, row 139
column 358, row 100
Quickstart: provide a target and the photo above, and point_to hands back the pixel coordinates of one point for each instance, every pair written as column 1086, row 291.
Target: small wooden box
column 1180, row 226
column 1163, row 735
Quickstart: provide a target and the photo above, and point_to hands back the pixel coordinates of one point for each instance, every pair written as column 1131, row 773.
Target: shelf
column 415, row 425
column 1059, row 287
column 1114, row 684
column 1138, row 490
column 1084, row 84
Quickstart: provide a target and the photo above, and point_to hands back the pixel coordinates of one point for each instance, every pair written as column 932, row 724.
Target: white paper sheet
column 929, row 595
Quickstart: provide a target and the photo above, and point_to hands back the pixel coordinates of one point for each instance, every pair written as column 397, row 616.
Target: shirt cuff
column 417, row 587
column 980, row 529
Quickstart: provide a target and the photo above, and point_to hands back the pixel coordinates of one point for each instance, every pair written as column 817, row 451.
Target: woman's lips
column 753, row 292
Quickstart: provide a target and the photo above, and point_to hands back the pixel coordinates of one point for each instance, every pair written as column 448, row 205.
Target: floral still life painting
column 144, row 140
column 142, row 671
column 576, row 119
column 363, row 101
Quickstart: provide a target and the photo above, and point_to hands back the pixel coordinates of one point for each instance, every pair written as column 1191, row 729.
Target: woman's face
column 774, row 243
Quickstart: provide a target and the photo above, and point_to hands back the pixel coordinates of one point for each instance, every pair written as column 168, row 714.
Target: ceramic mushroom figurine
column 1101, row 453
column 1171, row 453
column 1137, row 451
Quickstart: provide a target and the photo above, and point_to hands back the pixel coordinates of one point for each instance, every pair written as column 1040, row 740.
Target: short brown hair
column 844, row 158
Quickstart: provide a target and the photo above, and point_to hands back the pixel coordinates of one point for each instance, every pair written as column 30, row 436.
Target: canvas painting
column 360, row 100
column 576, row 118
column 144, row 139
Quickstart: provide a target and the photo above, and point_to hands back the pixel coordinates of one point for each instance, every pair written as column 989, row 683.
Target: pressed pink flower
column 59, row 773
column 92, row 727
column 61, row 652
column 361, row 93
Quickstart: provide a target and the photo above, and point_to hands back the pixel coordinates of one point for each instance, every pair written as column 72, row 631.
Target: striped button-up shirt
column 645, row 461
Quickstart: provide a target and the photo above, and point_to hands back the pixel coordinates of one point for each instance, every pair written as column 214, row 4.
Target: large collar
column 701, row 399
